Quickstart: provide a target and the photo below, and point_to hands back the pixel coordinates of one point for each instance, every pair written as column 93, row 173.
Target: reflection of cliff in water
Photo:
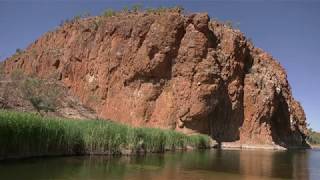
column 292, row 165
column 300, row 162
column 246, row 164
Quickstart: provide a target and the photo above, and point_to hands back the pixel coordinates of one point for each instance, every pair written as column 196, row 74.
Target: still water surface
column 195, row 165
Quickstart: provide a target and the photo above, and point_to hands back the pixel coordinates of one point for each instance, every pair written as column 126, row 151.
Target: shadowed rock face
column 171, row 71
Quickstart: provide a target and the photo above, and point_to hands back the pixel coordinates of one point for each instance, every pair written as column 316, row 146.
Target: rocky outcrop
column 171, row 71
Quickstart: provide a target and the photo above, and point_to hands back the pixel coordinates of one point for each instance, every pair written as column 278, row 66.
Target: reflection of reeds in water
column 300, row 163
column 239, row 164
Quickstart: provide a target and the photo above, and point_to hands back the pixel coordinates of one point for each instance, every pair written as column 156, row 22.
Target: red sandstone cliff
column 173, row 71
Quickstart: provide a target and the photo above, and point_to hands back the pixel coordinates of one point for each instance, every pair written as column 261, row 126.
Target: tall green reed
column 27, row 134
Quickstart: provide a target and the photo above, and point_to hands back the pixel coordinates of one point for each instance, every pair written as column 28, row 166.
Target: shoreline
column 274, row 147
column 126, row 152
column 251, row 146
column 315, row 146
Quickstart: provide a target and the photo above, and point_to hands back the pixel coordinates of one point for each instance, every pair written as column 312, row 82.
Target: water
column 196, row 165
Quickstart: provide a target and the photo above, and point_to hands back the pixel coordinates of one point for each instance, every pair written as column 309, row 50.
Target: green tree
column 108, row 13
column 313, row 137
column 19, row 51
column 136, row 7
column 17, row 76
column 125, row 9
column 179, row 8
column 42, row 94
column 2, row 71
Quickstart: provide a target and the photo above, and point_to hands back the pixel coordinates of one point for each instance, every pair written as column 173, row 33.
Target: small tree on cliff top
column 136, row 7
column 109, row 13
column 1, row 71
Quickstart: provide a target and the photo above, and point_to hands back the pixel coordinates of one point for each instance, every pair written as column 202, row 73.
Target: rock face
column 172, row 71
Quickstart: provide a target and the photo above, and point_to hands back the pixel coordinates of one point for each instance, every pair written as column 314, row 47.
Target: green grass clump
column 23, row 134
column 198, row 141
column 109, row 13
column 26, row 134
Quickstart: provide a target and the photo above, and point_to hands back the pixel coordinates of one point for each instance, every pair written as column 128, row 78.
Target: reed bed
column 29, row 135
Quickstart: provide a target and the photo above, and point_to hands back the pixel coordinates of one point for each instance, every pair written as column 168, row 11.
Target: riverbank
column 28, row 135
column 315, row 146
column 239, row 146
column 274, row 147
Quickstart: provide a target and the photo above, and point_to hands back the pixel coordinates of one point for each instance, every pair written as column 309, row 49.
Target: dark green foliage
column 95, row 24
column 17, row 75
column 41, row 94
column 85, row 15
column 314, row 137
column 179, row 8
column 25, row 134
column 232, row 25
column 109, row 13
column 150, row 10
column 136, row 7
column 19, row 51
column 161, row 9
column 229, row 23
column 75, row 18
column 125, row 9
column 2, row 73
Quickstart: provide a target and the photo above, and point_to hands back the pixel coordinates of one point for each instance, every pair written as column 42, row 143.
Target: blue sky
column 289, row 30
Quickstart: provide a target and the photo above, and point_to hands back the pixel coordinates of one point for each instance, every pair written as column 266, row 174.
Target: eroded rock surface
column 172, row 71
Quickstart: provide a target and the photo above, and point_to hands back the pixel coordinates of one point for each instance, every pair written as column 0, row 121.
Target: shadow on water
column 227, row 164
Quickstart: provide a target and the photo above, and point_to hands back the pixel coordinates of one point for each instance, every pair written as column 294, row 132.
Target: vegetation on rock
column 43, row 94
column 109, row 13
